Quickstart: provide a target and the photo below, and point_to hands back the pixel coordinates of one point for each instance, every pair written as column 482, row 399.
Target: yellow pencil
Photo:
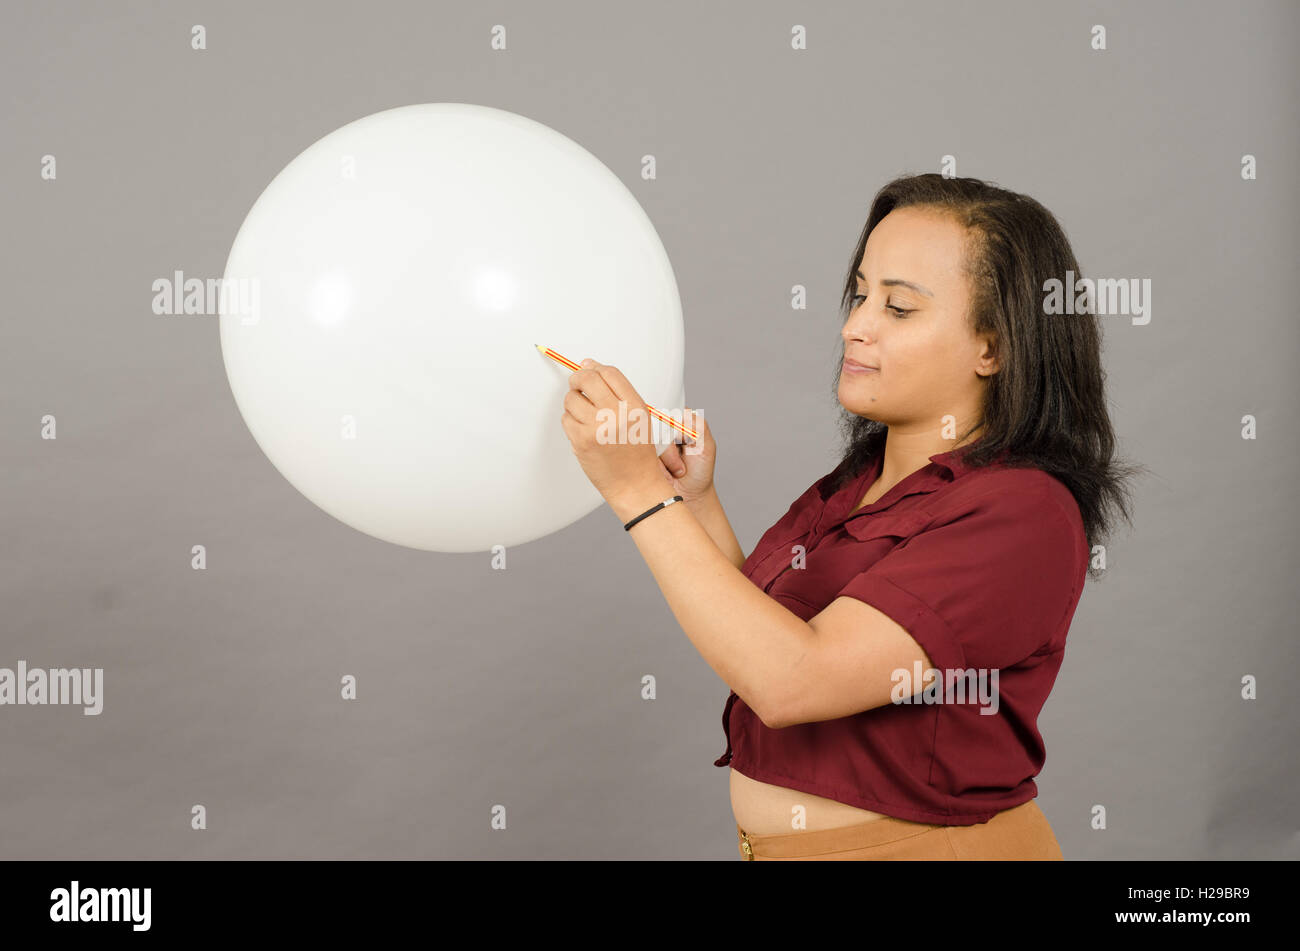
column 565, row 361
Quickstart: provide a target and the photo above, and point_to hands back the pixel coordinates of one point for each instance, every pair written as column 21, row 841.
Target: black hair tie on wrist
column 650, row 511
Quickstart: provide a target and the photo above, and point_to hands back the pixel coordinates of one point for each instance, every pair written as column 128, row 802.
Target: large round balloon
column 382, row 304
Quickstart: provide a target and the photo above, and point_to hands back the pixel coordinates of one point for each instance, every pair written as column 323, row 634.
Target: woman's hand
column 615, row 448
column 689, row 467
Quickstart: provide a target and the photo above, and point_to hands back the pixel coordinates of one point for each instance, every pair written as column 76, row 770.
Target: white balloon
column 396, row 277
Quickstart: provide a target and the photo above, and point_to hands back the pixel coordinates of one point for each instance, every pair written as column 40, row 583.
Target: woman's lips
column 851, row 367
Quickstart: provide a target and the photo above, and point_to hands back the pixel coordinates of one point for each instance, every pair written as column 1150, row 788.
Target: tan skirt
column 1021, row 832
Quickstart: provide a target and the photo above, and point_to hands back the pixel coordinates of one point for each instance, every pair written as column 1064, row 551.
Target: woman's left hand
column 602, row 437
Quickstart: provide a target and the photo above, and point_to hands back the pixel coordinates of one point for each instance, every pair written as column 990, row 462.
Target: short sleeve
column 988, row 584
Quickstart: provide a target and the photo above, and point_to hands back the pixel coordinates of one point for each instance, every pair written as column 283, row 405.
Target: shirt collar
column 840, row 507
column 954, row 461
column 944, row 468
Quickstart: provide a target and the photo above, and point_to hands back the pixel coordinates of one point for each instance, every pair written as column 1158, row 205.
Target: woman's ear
column 988, row 359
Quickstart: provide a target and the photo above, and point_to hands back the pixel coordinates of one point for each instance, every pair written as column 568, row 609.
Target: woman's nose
column 859, row 326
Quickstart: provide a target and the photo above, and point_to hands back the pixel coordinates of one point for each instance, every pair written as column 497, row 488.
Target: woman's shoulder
column 1025, row 489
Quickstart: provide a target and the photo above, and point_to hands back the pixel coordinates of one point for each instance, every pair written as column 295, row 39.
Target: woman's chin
column 858, row 403
column 866, row 408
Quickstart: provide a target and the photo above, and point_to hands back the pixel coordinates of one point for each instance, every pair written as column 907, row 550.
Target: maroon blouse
column 984, row 568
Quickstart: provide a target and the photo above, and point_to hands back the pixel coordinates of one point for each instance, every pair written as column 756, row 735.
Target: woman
column 891, row 639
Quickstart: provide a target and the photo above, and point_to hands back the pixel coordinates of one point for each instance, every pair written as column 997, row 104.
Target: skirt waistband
column 1019, row 832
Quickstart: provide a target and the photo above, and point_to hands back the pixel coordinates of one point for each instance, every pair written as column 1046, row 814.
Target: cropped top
column 983, row 567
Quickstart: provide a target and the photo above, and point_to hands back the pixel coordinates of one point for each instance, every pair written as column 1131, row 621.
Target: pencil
column 565, row 361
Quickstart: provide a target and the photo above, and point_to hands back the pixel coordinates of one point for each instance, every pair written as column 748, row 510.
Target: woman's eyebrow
column 895, row 282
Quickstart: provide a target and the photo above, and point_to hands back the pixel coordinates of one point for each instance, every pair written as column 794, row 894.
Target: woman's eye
column 899, row 312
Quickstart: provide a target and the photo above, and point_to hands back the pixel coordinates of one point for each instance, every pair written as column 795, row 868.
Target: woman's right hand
column 691, row 473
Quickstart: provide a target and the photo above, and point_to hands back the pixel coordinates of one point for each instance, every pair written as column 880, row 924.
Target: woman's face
column 909, row 321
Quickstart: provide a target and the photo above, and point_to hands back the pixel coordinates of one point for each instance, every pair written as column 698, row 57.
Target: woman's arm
column 788, row 671
column 708, row 510
column 750, row 640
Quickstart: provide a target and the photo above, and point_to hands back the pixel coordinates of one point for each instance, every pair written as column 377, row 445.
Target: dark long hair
column 1045, row 407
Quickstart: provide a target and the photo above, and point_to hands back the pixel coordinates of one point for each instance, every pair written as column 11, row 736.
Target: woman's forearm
column 708, row 511
column 750, row 640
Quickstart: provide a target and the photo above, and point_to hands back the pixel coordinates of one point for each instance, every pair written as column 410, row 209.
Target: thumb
column 673, row 462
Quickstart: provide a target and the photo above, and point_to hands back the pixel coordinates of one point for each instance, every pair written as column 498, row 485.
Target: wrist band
column 650, row 511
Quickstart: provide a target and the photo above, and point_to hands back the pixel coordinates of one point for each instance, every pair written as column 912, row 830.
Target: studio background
column 522, row 687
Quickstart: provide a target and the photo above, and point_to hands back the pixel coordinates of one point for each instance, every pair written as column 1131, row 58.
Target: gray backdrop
column 479, row 687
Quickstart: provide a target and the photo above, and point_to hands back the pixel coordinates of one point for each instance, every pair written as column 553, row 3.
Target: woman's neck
column 905, row 453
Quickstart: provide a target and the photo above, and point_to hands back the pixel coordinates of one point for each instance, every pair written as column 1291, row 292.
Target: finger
column 590, row 381
column 574, row 391
column 625, row 392
column 672, row 461
column 618, row 384
column 584, row 386
column 579, row 407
